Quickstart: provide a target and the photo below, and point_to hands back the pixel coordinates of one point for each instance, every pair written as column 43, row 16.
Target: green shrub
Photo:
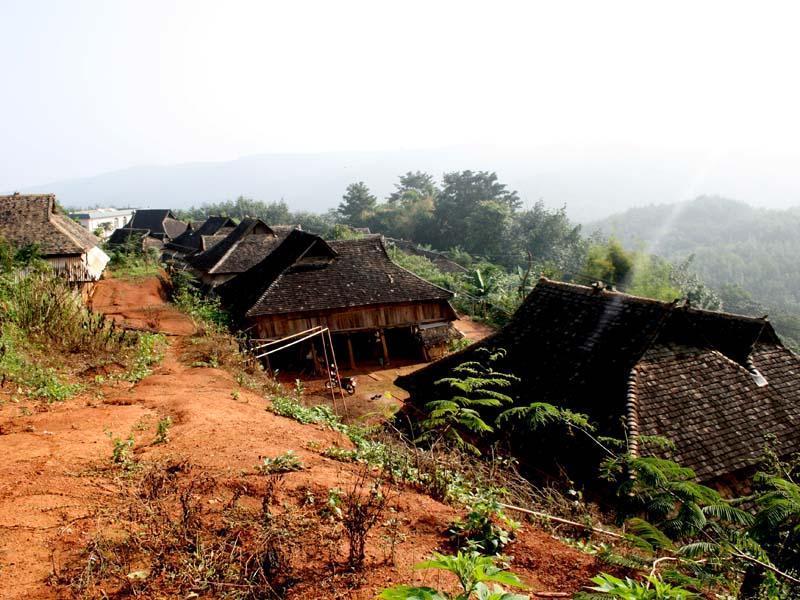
column 162, row 430
column 149, row 352
column 131, row 262
column 320, row 414
column 653, row 588
column 122, row 452
column 479, row 531
column 283, row 463
column 185, row 292
column 474, row 573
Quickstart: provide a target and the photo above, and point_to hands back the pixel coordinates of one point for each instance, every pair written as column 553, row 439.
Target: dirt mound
column 57, row 489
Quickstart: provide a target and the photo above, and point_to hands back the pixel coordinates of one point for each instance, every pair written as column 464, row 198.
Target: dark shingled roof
column 34, row 219
column 244, row 290
column 361, row 274
column 127, row 235
column 241, row 249
column 686, row 374
column 191, row 240
column 161, row 223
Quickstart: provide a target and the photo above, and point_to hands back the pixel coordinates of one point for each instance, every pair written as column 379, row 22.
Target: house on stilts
column 375, row 310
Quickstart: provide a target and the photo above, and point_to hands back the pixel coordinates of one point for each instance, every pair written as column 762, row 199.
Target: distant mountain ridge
column 591, row 182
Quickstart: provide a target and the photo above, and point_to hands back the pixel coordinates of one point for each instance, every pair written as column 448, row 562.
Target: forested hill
column 735, row 246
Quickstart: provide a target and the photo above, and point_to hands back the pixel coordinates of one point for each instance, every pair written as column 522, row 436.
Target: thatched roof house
column 713, row 383
column 69, row 248
column 371, row 305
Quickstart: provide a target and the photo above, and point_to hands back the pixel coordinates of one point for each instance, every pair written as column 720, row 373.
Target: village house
column 200, row 236
column 149, row 228
column 227, row 255
column 71, row 250
column 375, row 310
column 714, row 384
column 103, row 221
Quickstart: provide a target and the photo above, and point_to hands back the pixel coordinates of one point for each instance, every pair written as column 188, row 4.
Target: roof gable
column 34, row 219
column 360, row 274
column 225, row 256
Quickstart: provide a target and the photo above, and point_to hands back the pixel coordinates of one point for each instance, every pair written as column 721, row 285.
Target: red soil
column 55, row 490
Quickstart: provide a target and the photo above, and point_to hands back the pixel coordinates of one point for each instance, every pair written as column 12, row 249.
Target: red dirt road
column 56, row 490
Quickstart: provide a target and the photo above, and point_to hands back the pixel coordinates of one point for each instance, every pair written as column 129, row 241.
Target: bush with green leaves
column 485, row 528
column 162, row 430
column 478, row 576
column 131, row 261
column 283, row 463
column 204, row 309
column 652, row 588
column 323, row 415
column 475, row 385
column 149, row 352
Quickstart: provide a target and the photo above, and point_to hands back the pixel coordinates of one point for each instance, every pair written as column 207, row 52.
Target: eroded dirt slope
column 57, row 490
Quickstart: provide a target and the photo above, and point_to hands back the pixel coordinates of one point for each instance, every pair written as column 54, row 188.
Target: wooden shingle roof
column 695, row 377
column 241, row 249
column 360, row 274
column 160, row 222
column 191, row 240
column 35, row 219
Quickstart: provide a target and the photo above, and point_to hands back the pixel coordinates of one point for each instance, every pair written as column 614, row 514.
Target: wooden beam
column 385, row 347
column 350, row 353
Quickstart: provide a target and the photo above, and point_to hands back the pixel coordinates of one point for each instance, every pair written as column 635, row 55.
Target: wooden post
column 350, row 353
column 385, row 347
column 314, row 357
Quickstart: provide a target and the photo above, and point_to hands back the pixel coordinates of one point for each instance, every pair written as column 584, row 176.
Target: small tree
column 474, row 385
column 357, row 205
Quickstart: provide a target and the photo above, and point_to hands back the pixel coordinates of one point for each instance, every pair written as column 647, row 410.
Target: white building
column 105, row 219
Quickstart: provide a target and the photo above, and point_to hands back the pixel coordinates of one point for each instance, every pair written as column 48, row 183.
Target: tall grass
column 43, row 321
column 44, row 308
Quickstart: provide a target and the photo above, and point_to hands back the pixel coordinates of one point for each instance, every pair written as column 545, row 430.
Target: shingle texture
column 361, row 274
column 191, row 240
column 127, row 235
column 695, row 372
column 161, row 223
column 26, row 219
column 241, row 249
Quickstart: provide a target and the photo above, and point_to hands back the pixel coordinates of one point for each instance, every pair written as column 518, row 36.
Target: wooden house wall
column 363, row 318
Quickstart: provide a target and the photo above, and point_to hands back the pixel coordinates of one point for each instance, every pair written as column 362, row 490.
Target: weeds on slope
column 181, row 532
column 47, row 333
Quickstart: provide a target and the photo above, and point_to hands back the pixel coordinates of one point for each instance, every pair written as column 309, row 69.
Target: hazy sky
column 92, row 86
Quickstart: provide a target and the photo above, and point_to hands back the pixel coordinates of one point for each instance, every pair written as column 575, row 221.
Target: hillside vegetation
column 750, row 256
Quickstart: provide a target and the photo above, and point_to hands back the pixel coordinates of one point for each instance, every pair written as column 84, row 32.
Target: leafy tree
column 609, row 262
column 460, row 197
column 549, row 237
column 273, row 213
column 412, row 186
column 357, row 205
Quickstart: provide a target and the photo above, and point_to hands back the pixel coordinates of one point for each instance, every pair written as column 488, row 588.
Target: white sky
column 91, row 86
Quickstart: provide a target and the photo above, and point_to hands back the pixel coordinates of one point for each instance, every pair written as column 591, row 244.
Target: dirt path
column 56, row 488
